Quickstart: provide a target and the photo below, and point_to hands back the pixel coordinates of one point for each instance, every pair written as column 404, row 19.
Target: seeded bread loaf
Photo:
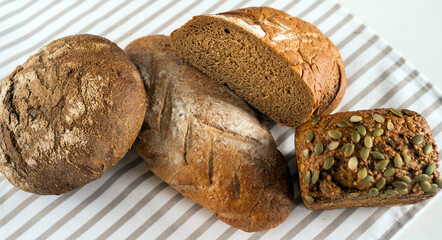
column 371, row 158
column 60, row 113
column 207, row 143
column 281, row 65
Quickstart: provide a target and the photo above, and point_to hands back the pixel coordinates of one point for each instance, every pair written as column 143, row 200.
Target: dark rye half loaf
column 281, row 65
column 68, row 114
column 207, row 143
column 370, row 158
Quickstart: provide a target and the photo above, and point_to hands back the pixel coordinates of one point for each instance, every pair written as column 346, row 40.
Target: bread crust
column 62, row 110
column 207, row 143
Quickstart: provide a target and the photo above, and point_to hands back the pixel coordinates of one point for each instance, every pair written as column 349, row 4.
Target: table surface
column 414, row 30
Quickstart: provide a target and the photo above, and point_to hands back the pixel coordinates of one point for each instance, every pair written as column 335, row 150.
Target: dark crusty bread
column 281, row 65
column 207, row 143
column 68, row 114
column 371, row 158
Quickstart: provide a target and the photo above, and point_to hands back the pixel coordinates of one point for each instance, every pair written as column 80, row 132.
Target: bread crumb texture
column 62, row 110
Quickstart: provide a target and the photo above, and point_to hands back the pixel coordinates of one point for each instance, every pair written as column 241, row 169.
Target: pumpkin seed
column 407, row 112
column 362, row 173
column 396, row 112
column 390, row 126
column 309, row 199
column 345, row 146
column 428, row 148
column 400, row 185
column 406, row 179
column 407, row 158
column 309, row 137
column 421, row 177
column 433, row 188
column 306, row 153
column 403, row 191
column 377, row 155
column 425, row 186
column 368, row 142
column 352, row 195
column 380, row 183
column 378, row 118
column 391, row 192
column 381, row 164
column 430, row 169
column 353, row 163
column 438, row 181
column 333, row 145
column 389, row 172
column 335, row 134
column 307, row 177
column 315, row 176
column 373, row 191
column 355, row 136
column 366, row 180
column 328, row 163
column 398, row 161
column 355, row 118
column 319, row 148
column 378, row 132
column 362, row 130
column 316, row 120
column 343, row 124
column 365, row 153
column 418, row 139
column 349, row 150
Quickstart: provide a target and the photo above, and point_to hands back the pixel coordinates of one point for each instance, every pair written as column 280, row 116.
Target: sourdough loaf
column 61, row 110
column 370, row 158
column 207, row 143
column 281, row 65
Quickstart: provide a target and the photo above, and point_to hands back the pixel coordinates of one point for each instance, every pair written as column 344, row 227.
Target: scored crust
column 62, row 110
column 281, row 65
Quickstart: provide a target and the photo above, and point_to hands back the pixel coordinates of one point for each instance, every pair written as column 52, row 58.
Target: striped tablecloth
column 129, row 201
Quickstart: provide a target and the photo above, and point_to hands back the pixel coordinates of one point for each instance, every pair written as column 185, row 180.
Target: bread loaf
column 281, row 65
column 62, row 110
column 207, row 143
column 371, row 158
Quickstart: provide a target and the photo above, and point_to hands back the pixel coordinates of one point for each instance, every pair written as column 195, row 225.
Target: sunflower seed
column 365, row 153
column 315, row 176
column 403, row 191
column 381, row 165
column 335, row 134
column 362, row 130
column 368, row 142
column 373, row 191
column 398, row 163
column 396, row 112
column 319, row 148
column 407, row 158
column 355, row 118
column 390, row 141
column 307, row 177
column 428, row 148
column 390, row 126
column 389, row 172
column 425, row 186
column 355, row 136
column 366, row 180
column 438, row 181
column 377, row 155
column 306, row 153
column 378, row 132
column 421, row 177
column 352, row 195
column 430, row 169
column 328, row 163
column 406, row 179
column 418, row 139
column 349, row 150
column 400, row 185
column 333, row 145
column 343, row 124
column 380, row 183
column 309, row 137
column 378, row 118
column 362, row 173
column 391, row 192
column 309, row 199
column 353, row 163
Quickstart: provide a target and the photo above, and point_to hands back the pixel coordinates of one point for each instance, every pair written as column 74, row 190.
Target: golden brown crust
column 207, row 143
column 392, row 146
column 62, row 110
